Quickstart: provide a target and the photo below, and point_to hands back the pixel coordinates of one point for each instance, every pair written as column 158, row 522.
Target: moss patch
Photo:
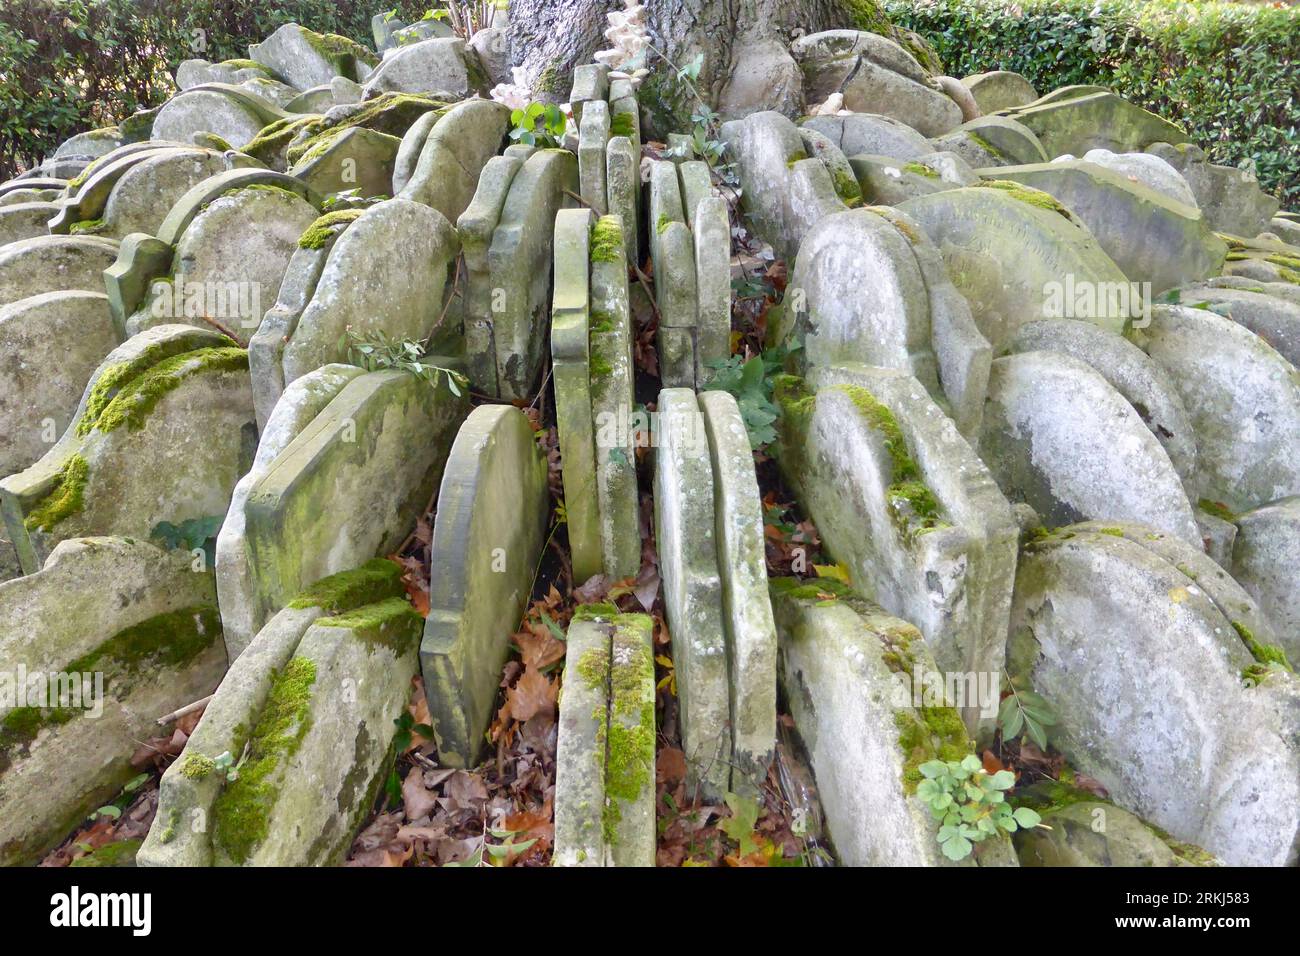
column 1025, row 194
column 867, row 15
column 133, row 403
column 66, row 499
column 620, row 124
column 268, row 143
column 242, row 811
column 929, row 733
column 1266, row 654
column 607, row 240
column 1217, row 509
column 920, row 169
column 319, row 232
column 121, row 853
column 392, row 622
column 391, row 113
column 374, row 581
column 87, row 227
column 339, row 50
column 196, row 766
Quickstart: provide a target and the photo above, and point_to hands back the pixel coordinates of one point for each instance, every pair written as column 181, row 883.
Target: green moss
column 630, row 740
column 1026, row 194
column 1280, row 259
column 1113, row 532
column 272, row 139
column 599, row 611
column 169, row 830
column 168, row 640
column 988, row 147
column 121, row 853
column 1218, row 509
column 1264, row 653
column 392, row 622
column 820, row 591
column 86, row 227
column 846, row 186
column 164, row 641
column 867, row 15
column 664, row 222
column 212, row 141
column 133, row 403
column 246, row 65
column 66, row 499
column 112, row 379
column 242, row 811
column 920, row 169
column 374, row 581
column 621, row 124
column 391, row 113
column 593, row 668
column 929, row 733
column 797, row 156
column 607, row 239
column 79, row 180
column 601, row 322
column 913, row 504
column 196, row 766
column 339, row 50
column 319, row 232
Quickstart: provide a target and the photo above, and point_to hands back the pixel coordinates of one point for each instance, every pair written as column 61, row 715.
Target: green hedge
column 71, row 65
column 1228, row 73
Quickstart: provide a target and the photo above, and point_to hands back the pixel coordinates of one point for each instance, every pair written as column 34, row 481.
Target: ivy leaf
column 740, row 825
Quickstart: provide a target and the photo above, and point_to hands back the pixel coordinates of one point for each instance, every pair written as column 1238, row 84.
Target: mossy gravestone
column 452, row 156
column 188, row 792
column 110, row 634
column 163, row 432
column 605, row 758
column 305, row 58
column 1018, row 255
column 849, row 671
column 369, row 461
column 242, row 614
column 364, row 289
column 52, row 343
column 487, row 540
column 1142, row 644
column 229, row 261
column 900, row 499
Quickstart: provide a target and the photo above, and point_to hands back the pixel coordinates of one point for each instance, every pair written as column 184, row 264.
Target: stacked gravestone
column 109, row 634
column 487, row 540
column 690, row 238
column 163, row 432
column 591, row 349
column 506, row 233
column 709, row 532
column 605, row 760
column 334, row 666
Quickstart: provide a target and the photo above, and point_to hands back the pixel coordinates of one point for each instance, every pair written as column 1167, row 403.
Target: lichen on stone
column 391, row 113
column 337, row 49
column 196, row 766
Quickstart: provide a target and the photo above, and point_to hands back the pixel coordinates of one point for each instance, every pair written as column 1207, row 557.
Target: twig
column 223, row 330
column 166, row 719
column 573, row 195
column 645, row 284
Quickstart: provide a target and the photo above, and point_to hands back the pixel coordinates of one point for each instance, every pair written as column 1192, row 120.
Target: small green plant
column 190, row 534
column 1024, row 713
column 539, row 124
column 970, row 803
column 749, row 381
column 376, row 350
column 494, row 854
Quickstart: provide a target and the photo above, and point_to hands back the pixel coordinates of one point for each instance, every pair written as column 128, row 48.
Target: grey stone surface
column 1231, row 198
column 1059, row 437
column 205, row 110
column 593, row 137
column 1016, row 259
column 1151, row 237
column 54, row 264
column 52, row 343
column 842, row 668
column 765, row 77
column 999, row 90
column 1093, row 120
column 487, row 540
column 900, row 499
column 454, row 154
column 1274, row 319
column 364, row 288
column 1149, row 170
column 1098, row 833
column 688, row 547
column 1144, row 384
column 242, row 614
column 438, row 65
column 1265, row 556
column 296, row 54
column 93, row 597
column 1138, row 659
column 1243, row 399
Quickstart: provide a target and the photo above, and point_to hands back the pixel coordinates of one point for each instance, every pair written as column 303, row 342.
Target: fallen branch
column 166, row 719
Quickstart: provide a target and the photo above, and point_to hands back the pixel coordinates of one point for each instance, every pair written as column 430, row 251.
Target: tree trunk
column 550, row 37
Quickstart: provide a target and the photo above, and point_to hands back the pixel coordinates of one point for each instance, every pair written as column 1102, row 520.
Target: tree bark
column 551, row 37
